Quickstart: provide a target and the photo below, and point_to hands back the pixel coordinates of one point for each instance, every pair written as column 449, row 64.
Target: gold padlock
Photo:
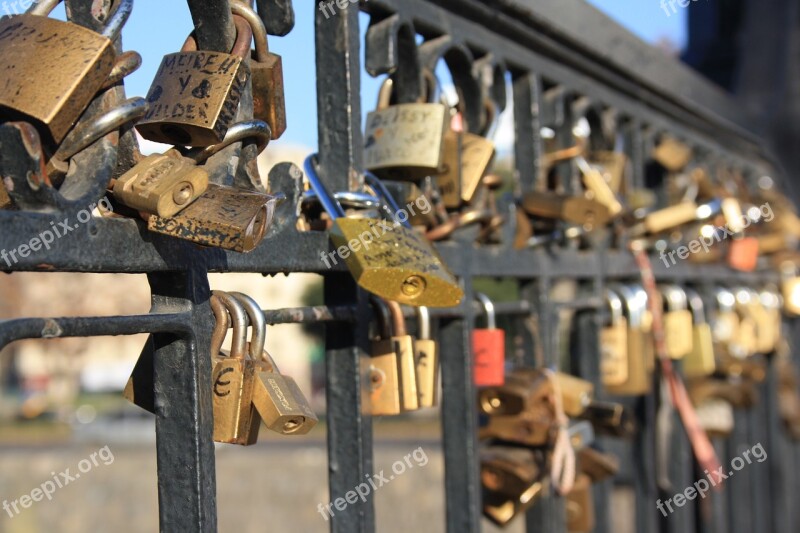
column 677, row 322
column 277, row 398
column 405, row 141
column 236, row 421
column 667, row 218
column 388, row 258
column 598, row 466
column 614, row 344
column 576, row 393
column 672, row 154
column 509, row 470
column 269, row 99
column 195, row 94
column 701, row 361
column 426, row 357
column 612, row 166
column 790, row 288
column 580, row 506
column 599, row 188
column 639, row 343
column 381, row 371
column 573, row 209
column 52, row 69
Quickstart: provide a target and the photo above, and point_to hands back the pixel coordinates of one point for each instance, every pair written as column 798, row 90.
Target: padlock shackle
column 696, row 305
column 384, row 316
column 424, row 323
column 615, row 306
column 223, row 323
column 118, row 20
column 241, row 47
column 383, row 193
column 488, row 306
column 385, row 94
column 256, row 26
column 398, row 320
column 770, row 298
column 247, row 129
column 675, row 298
column 88, row 133
column 329, row 203
column 726, row 301
column 126, row 64
column 257, row 321
column 240, row 323
column 635, row 299
column 358, row 200
column 42, row 8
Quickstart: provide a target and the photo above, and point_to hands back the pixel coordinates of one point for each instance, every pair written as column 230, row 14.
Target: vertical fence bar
column 184, row 422
column 340, row 143
column 460, row 424
column 527, row 154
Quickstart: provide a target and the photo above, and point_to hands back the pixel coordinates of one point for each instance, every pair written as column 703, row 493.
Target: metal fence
column 561, row 61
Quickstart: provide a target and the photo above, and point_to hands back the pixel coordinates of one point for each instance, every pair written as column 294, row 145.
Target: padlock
column 771, row 301
column 573, row 209
column 600, row 190
column 732, row 212
column 743, row 253
column 278, row 399
column 610, row 419
column 502, row 509
column 611, row 165
column 747, row 342
column 672, row 154
column 195, row 95
column 667, row 218
column 387, row 258
column 614, row 344
column 509, row 470
column 405, row 141
column 382, row 370
column 749, row 302
column 165, row 184
column 521, row 410
column 598, row 466
column 677, row 322
column 701, row 361
column 488, row 349
column 402, row 344
column 580, row 506
column 640, row 350
column 269, row 99
column 233, row 378
column 576, row 394
column 426, row 357
column 468, row 157
column 449, row 179
column 740, row 393
column 716, row 417
column 52, row 69
column 725, row 327
column 790, row 288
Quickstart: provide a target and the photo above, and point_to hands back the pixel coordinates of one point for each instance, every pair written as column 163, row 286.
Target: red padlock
column 488, row 349
column 743, row 254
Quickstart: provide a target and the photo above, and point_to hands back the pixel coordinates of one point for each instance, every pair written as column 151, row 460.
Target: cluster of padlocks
column 708, row 349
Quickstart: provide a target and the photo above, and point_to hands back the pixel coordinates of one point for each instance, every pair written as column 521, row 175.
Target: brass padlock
column 599, row 188
column 614, row 344
column 725, row 327
column 236, row 421
column 667, row 218
column 573, row 209
column 520, row 411
column 426, row 358
column 195, row 95
column 52, row 69
column 403, row 345
column 388, row 258
column 382, row 370
column 740, row 393
column 677, row 322
column 610, row 419
column 576, row 393
column 269, row 99
column 502, row 509
column 790, row 288
column 639, row 343
column 672, row 154
column 612, row 166
column 449, row 179
column 766, row 336
column 701, row 361
column 405, row 141
column 598, row 466
column 580, row 506
column 771, row 301
column 509, row 470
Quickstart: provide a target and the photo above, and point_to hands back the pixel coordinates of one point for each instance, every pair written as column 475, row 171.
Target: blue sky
column 155, row 31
